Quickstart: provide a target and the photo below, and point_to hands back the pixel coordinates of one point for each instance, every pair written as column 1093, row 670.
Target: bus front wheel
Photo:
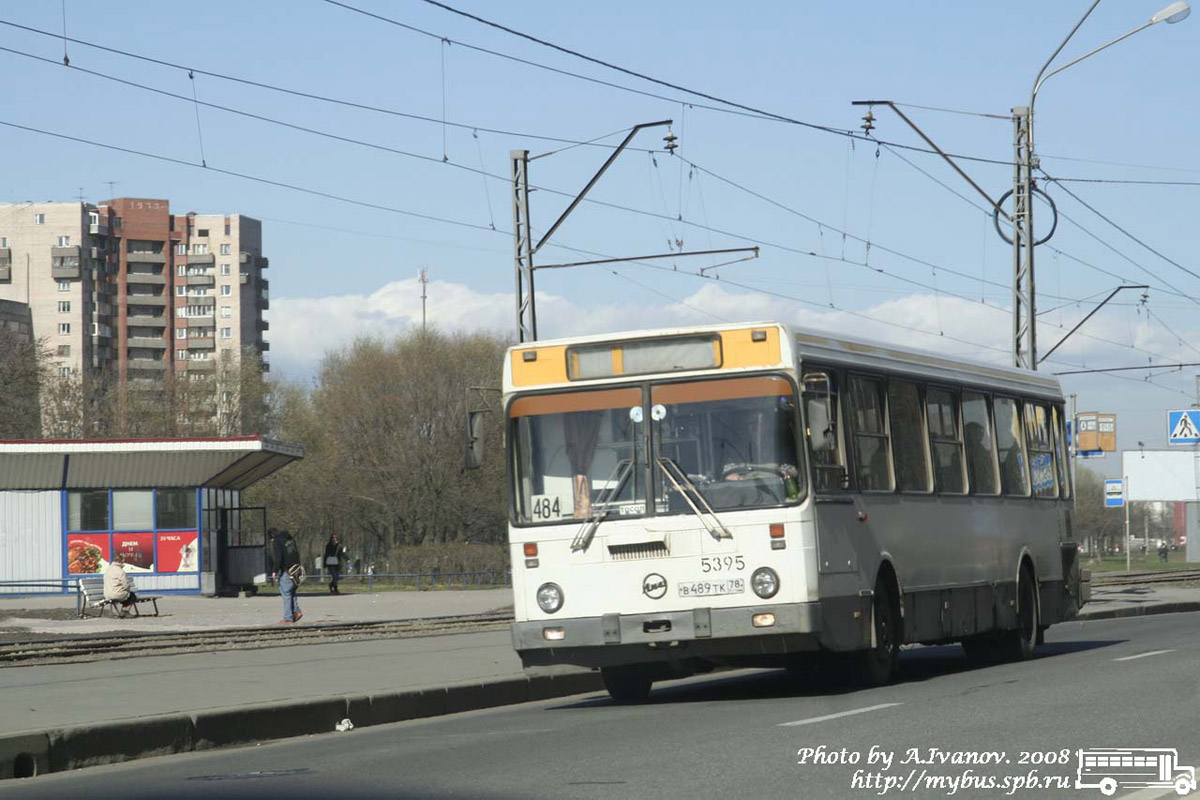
column 878, row 665
column 627, row 684
column 1108, row 787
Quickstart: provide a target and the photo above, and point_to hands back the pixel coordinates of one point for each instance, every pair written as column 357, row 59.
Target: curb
column 27, row 755
column 1141, row 611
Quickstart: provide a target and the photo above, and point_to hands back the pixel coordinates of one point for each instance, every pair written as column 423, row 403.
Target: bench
column 92, row 591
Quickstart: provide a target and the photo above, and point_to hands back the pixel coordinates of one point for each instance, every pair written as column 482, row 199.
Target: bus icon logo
column 1110, row 768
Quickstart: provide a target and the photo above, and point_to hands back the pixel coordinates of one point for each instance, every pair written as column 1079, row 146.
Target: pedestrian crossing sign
column 1183, row 427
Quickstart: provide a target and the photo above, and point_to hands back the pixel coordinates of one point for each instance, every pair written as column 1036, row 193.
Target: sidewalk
column 1135, row 601
column 67, row 716
column 194, row 613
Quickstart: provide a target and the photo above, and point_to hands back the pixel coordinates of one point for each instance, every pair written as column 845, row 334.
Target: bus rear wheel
column 627, row 684
column 878, row 665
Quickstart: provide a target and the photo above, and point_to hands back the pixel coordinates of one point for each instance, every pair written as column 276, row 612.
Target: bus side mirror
column 475, row 439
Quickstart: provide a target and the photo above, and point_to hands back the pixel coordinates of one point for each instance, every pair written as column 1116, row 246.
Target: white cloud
column 303, row 329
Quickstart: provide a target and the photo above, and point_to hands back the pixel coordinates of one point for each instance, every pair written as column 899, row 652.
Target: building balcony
column 202, row 365
column 244, row 278
column 200, row 280
column 146, row 278
column 206, row 258
column 147, row 364
column 152, row 300
column 264, row 346
column 262, row 324
column 203, row 343
column 65, row 273
column 155, row 343
column 98, row 229
column 263, row 304
column 5, row 256
column 5, row 274
column 143, row 257
column 263, row 262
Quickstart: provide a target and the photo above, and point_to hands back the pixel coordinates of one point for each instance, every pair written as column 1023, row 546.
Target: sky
column 856, row 236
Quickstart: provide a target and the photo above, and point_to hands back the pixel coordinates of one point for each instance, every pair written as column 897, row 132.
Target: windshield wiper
column 683, row 484
column 616, row 482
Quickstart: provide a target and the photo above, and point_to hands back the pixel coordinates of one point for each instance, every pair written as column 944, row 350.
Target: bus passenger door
column 836, row 512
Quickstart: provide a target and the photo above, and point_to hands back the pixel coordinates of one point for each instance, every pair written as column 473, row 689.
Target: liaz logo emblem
column 654, row 586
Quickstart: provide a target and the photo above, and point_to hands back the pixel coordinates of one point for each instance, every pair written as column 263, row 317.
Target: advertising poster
column 178, row 552
column 138, row 549
column 87, row 553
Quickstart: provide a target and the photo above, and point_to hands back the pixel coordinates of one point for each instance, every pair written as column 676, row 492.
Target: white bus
column 749, row 495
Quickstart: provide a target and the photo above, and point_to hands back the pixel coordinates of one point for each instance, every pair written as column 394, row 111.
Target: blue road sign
column 1183, row 427
column 1114, row 494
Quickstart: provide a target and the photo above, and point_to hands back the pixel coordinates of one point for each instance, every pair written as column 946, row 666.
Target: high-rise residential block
column 127, row 290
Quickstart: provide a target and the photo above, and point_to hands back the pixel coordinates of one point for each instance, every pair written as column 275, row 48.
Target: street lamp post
column 1025, row 162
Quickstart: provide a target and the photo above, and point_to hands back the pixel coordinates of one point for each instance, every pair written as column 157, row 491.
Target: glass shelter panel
column 87, row 511
column 133, row 509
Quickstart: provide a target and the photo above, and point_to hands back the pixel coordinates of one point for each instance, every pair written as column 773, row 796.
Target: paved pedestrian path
column 195, row 613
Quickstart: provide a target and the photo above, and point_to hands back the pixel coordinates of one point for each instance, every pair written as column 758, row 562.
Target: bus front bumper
column 717, row 635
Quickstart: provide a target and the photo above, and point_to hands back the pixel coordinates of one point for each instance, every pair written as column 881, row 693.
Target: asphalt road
column 1111, row 683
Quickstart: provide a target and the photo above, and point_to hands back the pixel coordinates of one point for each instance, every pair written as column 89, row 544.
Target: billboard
column 1158, row 475
column 1097, row 432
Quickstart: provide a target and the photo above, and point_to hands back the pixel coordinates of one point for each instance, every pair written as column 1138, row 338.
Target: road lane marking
column 1144, row 655
column 850, row 713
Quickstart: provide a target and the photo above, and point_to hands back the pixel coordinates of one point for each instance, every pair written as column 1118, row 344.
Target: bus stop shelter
column 172, row 507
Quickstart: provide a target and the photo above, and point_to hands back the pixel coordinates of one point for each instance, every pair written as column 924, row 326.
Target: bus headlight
column 549, row 597
column 764, row 582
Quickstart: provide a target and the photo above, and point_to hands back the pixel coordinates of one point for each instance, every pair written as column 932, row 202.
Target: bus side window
column 981, row 449
column 872, row 459
column 1014, row 477
column 1061, row 464
column 821, row 429
column 1041, row 454
column 909, row 445
column 947, row 442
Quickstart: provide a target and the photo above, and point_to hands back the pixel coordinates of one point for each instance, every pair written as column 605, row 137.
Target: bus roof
column 544, row 364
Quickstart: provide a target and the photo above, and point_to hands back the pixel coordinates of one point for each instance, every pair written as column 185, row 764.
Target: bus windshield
column 580, row 455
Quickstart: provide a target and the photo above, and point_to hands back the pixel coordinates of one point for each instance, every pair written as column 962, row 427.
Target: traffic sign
column 1114, row 494
column 1183, row 427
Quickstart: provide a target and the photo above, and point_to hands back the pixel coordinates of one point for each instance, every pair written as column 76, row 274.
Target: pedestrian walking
column 118, row 588
column 335, row 559
column 285, row 558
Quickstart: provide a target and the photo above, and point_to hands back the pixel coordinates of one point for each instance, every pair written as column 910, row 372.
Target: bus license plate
column 709, row 588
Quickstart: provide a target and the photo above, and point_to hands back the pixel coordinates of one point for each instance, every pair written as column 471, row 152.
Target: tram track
column 1139, row 578
column 134, row 645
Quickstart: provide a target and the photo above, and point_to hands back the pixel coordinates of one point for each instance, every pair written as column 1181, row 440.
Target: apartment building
column 58, row 258
column 127, row 289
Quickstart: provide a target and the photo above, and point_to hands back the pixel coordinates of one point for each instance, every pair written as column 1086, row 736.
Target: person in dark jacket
column 285, row 559
column 335, row 560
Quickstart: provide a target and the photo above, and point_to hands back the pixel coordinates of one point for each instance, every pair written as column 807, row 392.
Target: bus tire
column 878, row 665
column 1182, row 785
column 1018, row 644
column 626, row 684
column 1108, row 787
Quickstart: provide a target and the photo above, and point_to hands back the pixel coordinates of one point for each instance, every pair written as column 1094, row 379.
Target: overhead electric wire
column 298, row 93
column 1124, row 182
column 731, row 107
column 1104, row 217
column 248, row 177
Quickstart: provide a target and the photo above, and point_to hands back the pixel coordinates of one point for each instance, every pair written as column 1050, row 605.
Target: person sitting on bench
column 118, row 588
